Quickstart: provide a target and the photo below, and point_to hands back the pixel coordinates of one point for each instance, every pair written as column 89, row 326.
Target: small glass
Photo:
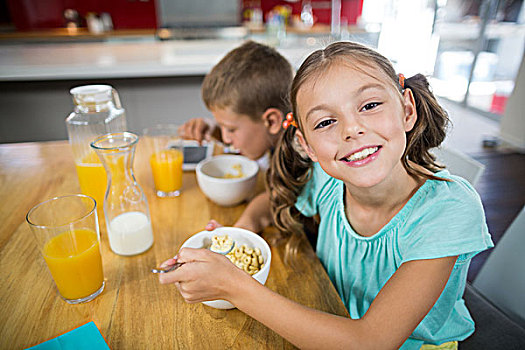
column 166, row 158
column 66, row 231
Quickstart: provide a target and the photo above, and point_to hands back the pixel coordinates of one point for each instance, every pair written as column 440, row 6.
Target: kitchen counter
column 119, row 57
column 61, row 35
column 101, row 60
column 158, row 81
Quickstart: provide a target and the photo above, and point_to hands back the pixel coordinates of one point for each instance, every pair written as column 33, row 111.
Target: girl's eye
column 370, row 106
column 324, row 124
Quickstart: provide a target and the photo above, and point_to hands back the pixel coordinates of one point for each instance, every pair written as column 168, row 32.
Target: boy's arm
column 257, row 215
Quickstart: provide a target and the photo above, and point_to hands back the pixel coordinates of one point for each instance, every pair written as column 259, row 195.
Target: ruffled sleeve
column 450, row 221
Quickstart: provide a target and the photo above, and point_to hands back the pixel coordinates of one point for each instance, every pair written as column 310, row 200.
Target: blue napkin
column 85, row 337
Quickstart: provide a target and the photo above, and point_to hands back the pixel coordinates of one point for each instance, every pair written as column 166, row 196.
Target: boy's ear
column 302, row 141
column 409, row 106
column 272, row 119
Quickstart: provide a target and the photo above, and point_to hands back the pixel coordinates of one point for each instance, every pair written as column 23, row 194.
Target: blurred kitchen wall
column 27, row 15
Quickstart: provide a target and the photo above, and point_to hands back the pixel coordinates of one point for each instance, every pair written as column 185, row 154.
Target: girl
column 396, row 233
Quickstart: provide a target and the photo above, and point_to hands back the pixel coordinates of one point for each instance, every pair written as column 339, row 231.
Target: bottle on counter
column 94, row 23
column 275, row 29
column 97, row 111
column 126, row 210
column 107, row 22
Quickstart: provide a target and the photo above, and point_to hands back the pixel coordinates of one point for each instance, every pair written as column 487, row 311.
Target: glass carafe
column 97, row 112
column 126, row 209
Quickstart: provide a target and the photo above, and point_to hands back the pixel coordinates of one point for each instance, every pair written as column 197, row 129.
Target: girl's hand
column 212, row 225
column 204, row 276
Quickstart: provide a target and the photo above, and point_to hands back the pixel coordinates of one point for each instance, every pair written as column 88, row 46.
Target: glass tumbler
column 166, row 158
column 66, row 231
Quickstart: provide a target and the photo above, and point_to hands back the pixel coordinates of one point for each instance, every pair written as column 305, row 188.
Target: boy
column 246, row 92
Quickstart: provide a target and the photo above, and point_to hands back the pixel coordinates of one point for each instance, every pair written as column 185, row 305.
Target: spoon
column 167, row 269
column 225, row 249
column 222, row 247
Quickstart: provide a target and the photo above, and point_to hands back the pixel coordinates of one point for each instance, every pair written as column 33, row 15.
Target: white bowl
column 240, row 236
column 227, row 191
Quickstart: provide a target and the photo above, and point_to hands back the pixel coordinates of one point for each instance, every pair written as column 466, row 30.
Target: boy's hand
column 198, row 129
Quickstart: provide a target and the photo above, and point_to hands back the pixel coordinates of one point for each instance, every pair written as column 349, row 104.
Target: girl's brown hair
column 290, row 168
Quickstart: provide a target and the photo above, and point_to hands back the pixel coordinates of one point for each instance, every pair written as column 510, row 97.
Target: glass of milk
column 126, row 209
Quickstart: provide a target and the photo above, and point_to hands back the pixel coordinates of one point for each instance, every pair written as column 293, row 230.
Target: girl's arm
column 393, row 315
column 257, row 215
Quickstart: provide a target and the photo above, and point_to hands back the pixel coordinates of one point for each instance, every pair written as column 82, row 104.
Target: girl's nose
column 352, row 128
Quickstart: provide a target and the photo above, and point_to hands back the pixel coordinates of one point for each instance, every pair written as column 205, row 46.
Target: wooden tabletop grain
column 134, row 311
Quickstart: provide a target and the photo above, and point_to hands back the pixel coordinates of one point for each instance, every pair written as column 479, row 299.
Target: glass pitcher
column 97, row 112
column 126, row 209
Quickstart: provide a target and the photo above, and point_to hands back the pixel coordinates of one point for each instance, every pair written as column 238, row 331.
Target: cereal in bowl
column 244, row 257
column 238, row 169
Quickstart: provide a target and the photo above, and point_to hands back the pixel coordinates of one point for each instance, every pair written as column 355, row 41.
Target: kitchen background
column 139, row 14
column 156, row 53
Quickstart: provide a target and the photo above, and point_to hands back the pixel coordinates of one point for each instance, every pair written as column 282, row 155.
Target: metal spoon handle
column 168, row 269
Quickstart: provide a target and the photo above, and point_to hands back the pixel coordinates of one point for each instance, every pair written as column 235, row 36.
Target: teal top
column 441, row 219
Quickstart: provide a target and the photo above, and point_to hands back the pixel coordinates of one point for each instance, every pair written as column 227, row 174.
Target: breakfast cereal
column 244, row 257
column 238, row 169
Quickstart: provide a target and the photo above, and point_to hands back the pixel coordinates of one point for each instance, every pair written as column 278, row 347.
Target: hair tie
column 401, row 80
column 289, row 121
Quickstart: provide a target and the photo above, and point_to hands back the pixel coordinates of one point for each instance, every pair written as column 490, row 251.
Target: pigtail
column 286, row 177
column 429, row 130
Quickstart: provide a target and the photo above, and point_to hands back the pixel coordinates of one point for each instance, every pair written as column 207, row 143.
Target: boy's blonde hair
column 249, row 80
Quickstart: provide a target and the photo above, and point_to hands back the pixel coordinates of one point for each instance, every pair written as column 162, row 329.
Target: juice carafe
column 97, row 112
column 126, row 209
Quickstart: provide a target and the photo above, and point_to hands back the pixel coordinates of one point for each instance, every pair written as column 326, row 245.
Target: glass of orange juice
column 66, row 231
column 166, row 158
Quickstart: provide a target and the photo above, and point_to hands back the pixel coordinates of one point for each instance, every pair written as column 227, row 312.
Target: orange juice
column 166, row 166
column 75, row 263
column 92, row 179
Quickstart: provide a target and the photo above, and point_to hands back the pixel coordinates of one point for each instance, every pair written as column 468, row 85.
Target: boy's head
column 247, row 93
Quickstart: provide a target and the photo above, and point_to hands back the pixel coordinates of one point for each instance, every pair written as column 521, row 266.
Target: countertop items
column 134, row 311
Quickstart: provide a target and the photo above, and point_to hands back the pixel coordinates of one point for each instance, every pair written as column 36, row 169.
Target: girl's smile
column 362, row 156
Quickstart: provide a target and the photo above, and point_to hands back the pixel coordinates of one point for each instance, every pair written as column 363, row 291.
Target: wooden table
column 134, row 311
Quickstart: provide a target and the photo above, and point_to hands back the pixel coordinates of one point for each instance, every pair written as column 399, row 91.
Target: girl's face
column 355, row 124
column 249, row 137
